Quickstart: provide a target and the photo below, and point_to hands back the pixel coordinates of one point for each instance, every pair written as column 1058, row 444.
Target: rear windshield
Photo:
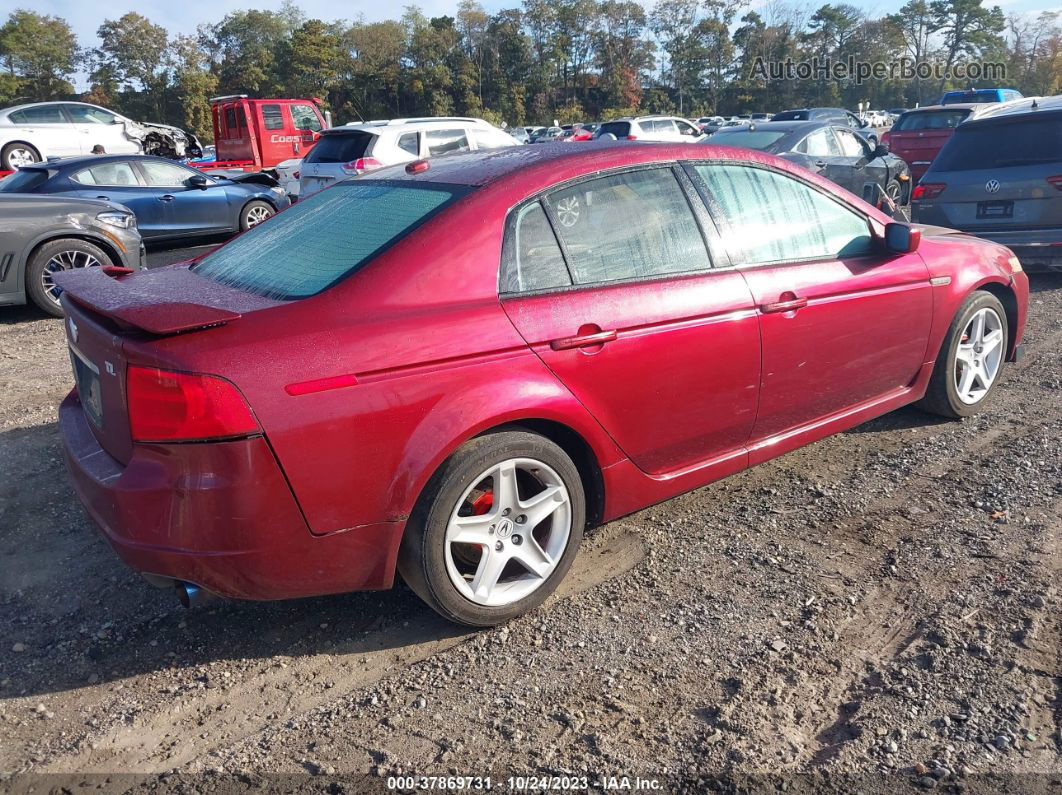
column 317, row 242
column 340, row 147
column 791, row 115
column 988, row 95
column 23, row 180
column 931, row 120
column 621, row 129
column 747, row 139
column 977, row 146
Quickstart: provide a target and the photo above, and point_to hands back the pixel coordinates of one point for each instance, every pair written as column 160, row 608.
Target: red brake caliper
column 483, row 503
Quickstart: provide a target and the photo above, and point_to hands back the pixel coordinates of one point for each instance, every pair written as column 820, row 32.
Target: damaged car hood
column 163, row 140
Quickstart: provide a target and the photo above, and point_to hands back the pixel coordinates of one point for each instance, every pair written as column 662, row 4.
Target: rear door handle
column 820, row 163
column 107, row 198
column 788, row 303
column 166, row 197
column 583, row 341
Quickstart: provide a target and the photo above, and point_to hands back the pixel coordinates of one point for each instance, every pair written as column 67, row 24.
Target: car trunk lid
column 999, row 199
column 103, row 314
column 918, row 147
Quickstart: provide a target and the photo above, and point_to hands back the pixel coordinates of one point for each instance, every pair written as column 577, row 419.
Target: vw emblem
column 505, row 528
column 315, row 169
column 73, row 330
column 992, row 186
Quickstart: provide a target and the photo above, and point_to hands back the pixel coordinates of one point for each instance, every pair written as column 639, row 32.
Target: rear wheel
column 254, row 213
column 53, row 257
column 16, row 155
column 971, row 360
column 496, row 529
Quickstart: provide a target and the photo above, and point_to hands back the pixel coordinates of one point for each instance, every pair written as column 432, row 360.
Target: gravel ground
column 878, row 611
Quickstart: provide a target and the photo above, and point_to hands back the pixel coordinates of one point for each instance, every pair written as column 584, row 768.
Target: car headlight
column 278, row 190
column 117, row 218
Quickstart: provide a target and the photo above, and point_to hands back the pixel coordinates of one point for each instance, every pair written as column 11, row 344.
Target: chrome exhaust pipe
column 191, row 595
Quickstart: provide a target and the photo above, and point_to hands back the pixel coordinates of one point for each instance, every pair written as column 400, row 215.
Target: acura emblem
column 992, row 186
column 73, row 330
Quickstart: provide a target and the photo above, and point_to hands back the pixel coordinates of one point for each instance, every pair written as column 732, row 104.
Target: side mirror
column 199, row 181
column 902, row 238
column 879, row 151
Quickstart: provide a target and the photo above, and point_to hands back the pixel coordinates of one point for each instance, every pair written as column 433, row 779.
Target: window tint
column 663, row 126
column 272, row 117
column 745, row 138
column 621, row 129
column 24, row 180
column 410, row 143
column 441, row 142
column 163, row 175
column 628, row 225
column 315, row 243
column 850, row 144
column 305, row 118
column 791, row 115
column 685, row 128
column 1029, row 142
column 773, row 217
column 931, row 120
column 118, row 173
column 43, row 114
column 340, row 147
column 86, row 114
column 532, row 257
column 820, row 143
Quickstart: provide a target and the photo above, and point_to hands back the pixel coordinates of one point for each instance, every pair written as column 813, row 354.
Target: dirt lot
column 879, row 610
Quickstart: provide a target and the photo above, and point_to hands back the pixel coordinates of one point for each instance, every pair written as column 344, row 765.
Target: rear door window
column 441, row 142
column 636, row 224
column 43, row 114
column 340, row 147
column 1030, row 142
column 323, row 238
column 113, row 174
column 272, row 117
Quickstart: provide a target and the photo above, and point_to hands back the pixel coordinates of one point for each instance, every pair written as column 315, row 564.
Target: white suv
column 353, row 149
column 651, row 128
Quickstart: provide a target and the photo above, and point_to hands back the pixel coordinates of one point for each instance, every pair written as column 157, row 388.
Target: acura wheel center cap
column 505, row 528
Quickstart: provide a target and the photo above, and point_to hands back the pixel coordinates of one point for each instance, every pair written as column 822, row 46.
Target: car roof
column 1016, row 109
column 794, row 125
column 951, row 106
column 95, row 160
column 407, row 125
column 52, row 102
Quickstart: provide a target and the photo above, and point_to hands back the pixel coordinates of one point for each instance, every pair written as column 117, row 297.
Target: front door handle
column 820, row 163
column 583, row 340
column 105, row 198
column 166, row 197
column 787, row 302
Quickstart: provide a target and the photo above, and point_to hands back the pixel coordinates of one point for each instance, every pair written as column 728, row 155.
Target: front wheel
column 254, row 213
column 971, row 359
column 53, row 257
column 496, row 529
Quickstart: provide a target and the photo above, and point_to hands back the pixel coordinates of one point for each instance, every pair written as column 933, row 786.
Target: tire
column 254, row 212
column 895, row 191
column 946, row 395
column 444, row 572
column 56, row 255
column 15, row 155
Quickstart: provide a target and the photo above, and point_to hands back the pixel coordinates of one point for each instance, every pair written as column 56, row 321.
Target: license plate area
column 87, row 378
column 994, row 210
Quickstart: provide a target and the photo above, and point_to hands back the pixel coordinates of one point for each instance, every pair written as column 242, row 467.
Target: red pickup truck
column 258, row 134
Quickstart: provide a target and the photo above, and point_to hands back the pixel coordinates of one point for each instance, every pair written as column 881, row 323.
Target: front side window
column 491, row 139
column 851, row 146
column 305, row 118
column 820, row 143
column 111, row 174
column 441, row 142
column 632, row 225
column 86, row 114
column 324, row 238
column 773, row 217
column 686, row 128
column 43, row 114
column 532, row 257
column 272, row 117
column 164, row 175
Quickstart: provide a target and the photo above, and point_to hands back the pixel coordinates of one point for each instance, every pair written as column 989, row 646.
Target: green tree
column 39, row 55
column 193, row 85
column 135, row 53
column 968, row 29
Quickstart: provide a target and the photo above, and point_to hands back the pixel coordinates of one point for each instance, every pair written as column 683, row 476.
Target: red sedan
column 452, row 368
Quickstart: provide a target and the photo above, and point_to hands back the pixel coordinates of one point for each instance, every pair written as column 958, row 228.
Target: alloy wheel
column 979, row 355
column 64, row 261
column 508, row 532
column 256, row 215
column 568, row 211
column 19, row 157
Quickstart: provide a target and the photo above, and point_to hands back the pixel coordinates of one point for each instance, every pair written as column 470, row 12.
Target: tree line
column 546, row 59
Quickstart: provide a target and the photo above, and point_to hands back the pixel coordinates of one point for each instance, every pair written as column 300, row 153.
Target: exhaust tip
column 190, row 595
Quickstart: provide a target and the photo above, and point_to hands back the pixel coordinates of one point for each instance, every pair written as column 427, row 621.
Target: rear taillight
column 361, row 165
column 182, row 407
column 1055, row 181
column 632, row 138
column 885, row 139
column 929, row 190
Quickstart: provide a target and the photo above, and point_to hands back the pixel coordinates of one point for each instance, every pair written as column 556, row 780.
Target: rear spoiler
column 139, row 300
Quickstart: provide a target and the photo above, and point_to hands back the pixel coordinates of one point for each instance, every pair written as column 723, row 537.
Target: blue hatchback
column 168, row 199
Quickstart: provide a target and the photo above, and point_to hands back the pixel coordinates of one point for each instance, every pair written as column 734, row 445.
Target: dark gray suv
column 1000, row 177
column 41, row 235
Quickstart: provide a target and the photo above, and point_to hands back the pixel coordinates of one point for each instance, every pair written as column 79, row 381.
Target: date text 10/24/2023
column 618, row 783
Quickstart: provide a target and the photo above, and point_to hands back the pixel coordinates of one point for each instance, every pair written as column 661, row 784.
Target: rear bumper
column 219, row 515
